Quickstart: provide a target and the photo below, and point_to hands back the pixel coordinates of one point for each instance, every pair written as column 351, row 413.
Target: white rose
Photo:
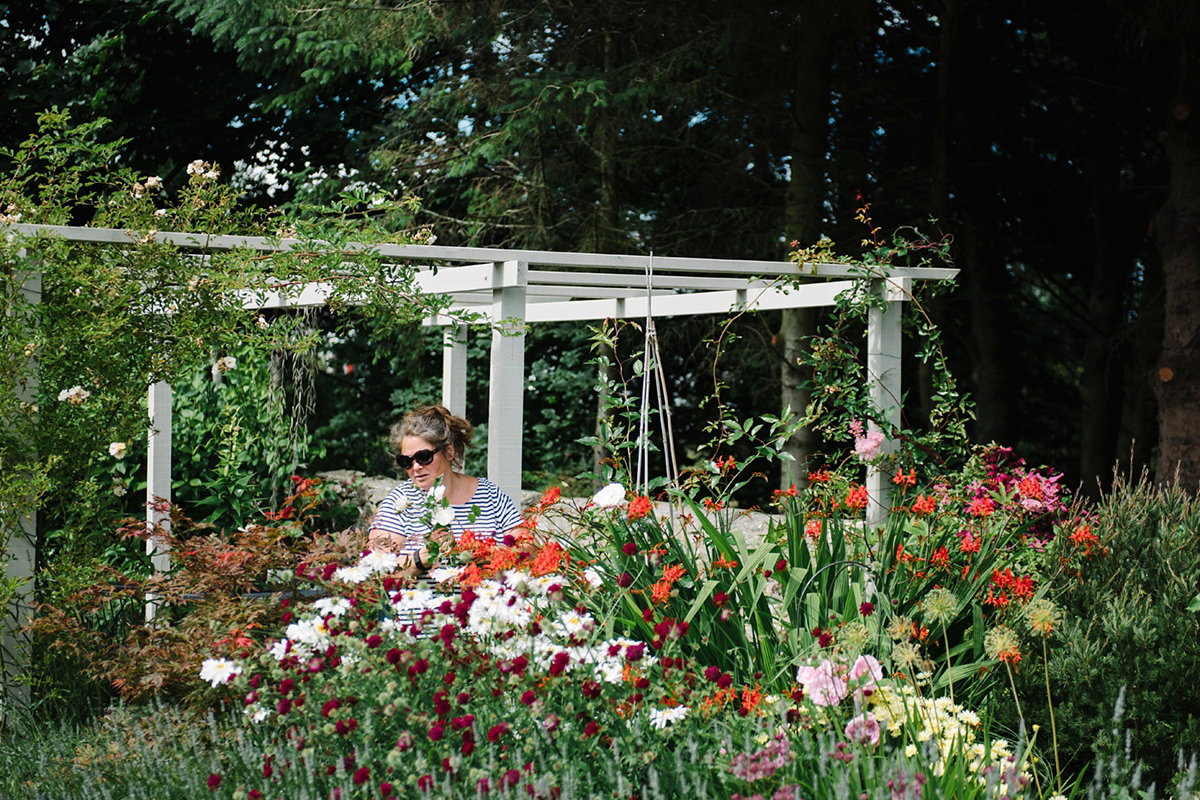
column 401, row 504
column 443, row 516
column 117, row 449
column 439, row 492
column 610, row 496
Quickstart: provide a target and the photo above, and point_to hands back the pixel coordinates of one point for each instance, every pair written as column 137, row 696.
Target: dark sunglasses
column 422, row 457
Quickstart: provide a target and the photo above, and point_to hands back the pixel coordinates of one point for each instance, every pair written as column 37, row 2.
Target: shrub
column 1128, row 576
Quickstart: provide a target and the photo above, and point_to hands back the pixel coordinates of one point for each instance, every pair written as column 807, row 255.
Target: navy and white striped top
column 406, row 532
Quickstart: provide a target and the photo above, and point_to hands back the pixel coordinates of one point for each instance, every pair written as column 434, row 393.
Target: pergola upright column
column 158, row 481
column 454, row 368
column 506, row 406
column 21, row 547
column 883, row 374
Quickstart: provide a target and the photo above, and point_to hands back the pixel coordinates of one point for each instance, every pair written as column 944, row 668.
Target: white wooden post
column 883, row 373
column 506, row 406
column 158, row 481
column 454, row 368
column 20, row 551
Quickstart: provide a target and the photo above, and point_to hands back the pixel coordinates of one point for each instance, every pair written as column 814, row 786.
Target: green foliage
column 239, row 435
column 1125, row 595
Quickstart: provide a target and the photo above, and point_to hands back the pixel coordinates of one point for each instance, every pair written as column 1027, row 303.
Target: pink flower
column 863, row 729
column 866, row 665
column 867, row 447
column 821, row 684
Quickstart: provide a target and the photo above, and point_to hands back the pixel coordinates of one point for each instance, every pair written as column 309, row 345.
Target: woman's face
column 424, row 475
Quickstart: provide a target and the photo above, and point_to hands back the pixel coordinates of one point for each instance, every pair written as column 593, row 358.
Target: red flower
column 214, row 781
column 924, row 505
column 712, row 673
column 629, row 549
column 941, row 558
column 361, row 775
column 720, row 599
column 559, row 663
column 981, row 507
column 528, row 697
column 591, row 729
column 866, row 609
column 497, row 731
column 856, row 498
column 639, row 507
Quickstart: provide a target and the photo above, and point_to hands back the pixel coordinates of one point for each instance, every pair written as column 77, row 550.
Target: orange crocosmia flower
column 981, row 507
column 472, row 575
column 724, row 563
column 1083, row 537
column 660, row 592
column 900, row 479
column 969, row 543
column 469, row 542
column 551, row 496
column 820, row 476
column 812, row 529
column 549, row 559
column 791, row 491
column 674, row 572
column 940, row 558
column 1030, row 487
column 502, row 558
column 751, row 697
column 640, row 507
column 924, row 505
column 856, row 498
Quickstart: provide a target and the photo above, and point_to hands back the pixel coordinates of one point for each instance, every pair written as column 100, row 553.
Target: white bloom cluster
column 75, row 395
column 201, row 168
column 10, row 216
column 223, row 365
column 218, row 670
column 610, row 496
column 662, row 717
column 117, row 450
column 947, row 725
column 332, row 605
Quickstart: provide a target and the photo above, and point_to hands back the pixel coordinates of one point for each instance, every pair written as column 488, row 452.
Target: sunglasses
column 422, row 457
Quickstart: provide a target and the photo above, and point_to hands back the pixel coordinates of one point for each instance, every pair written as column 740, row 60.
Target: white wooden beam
column 454, row 369
column 158, row 481
column 506, row 404
column 20, row 544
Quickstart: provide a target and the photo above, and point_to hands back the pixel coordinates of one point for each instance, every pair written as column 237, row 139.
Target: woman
column 430, row 444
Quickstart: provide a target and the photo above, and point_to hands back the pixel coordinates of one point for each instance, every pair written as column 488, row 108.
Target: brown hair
column 436, row 425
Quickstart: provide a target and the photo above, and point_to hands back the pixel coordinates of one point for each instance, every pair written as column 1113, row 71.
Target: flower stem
column 949, row 671
column 1053, row 728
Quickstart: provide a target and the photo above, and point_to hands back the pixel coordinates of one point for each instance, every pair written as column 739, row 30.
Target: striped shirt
column 495, row 514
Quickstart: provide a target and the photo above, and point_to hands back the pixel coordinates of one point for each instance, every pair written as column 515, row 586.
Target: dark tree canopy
column 1055, row 145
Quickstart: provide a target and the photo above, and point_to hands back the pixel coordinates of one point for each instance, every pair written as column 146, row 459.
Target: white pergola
column 514, row 288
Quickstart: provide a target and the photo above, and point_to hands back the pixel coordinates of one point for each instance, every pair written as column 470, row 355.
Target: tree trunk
column 1102, row 380
column 1176, row 231
column 805, row 199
